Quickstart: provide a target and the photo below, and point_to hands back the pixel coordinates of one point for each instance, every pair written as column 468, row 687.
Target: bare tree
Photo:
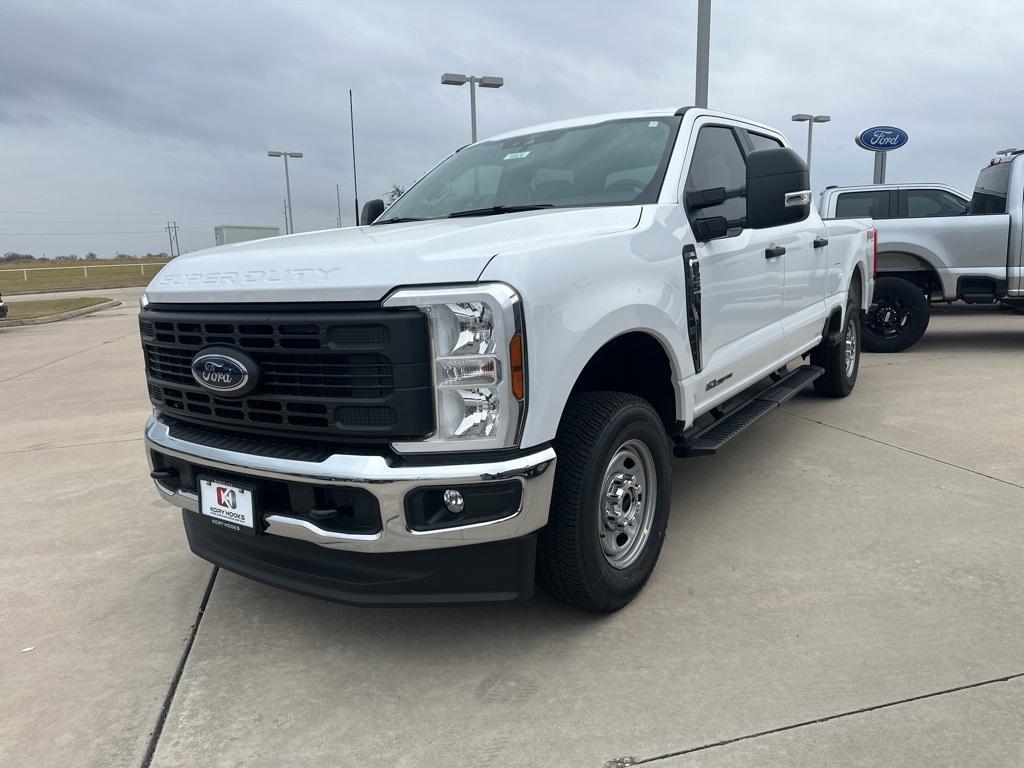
column 393, row 194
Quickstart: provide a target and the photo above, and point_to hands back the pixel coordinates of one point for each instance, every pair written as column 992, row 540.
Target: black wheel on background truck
column 898, row 318
column 841, row 360
column 610, row 505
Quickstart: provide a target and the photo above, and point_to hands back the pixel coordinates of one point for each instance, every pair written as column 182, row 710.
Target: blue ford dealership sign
column 882, row 138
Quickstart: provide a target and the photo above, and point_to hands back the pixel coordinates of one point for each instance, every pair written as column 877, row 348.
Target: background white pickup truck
column 935, row 245
column 496, row 371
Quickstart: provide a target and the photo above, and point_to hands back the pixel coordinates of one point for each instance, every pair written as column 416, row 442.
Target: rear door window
column 923, row 203
column 871, row 204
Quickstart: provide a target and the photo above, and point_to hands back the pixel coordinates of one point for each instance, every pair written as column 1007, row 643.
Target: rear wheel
column 841, row 361
column 898, row 318
column 610, row 504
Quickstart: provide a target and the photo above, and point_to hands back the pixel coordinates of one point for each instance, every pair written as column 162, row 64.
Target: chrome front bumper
column 389, row 484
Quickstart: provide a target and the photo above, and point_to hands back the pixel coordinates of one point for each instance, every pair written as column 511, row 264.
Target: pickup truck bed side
column 973, row 256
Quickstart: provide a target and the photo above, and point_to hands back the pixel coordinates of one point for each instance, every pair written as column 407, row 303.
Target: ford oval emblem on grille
column 224, row 371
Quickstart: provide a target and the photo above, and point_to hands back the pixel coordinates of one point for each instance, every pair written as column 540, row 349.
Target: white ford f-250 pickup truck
column 491, row 377
column 934, row 246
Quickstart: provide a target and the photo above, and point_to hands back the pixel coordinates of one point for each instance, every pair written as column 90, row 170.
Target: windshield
column 619, row 162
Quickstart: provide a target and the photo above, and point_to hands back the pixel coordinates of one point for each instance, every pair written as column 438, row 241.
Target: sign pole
column 879, row 168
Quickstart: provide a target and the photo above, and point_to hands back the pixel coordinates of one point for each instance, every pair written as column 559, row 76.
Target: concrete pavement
column 841, row 586
column 97, row 591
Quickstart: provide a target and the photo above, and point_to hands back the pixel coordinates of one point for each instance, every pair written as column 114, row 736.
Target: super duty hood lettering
column 296, row 275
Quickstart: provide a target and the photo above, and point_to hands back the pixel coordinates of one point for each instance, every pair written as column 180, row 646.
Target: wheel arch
column 858, row 286
column 915, row 265
column 636, row 362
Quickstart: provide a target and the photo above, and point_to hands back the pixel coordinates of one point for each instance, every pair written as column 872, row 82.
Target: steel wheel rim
column 850, row 347
column 629, row 493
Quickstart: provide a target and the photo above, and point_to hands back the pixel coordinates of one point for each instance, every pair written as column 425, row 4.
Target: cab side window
column 717, row 161
column 922, row 203
column 992, row 190
column 864, row 205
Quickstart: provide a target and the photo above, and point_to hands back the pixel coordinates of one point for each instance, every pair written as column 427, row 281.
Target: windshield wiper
column 496, row 209
column 397, row 220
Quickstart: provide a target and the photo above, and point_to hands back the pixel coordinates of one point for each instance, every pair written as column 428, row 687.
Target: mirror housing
column 773, row 176
column 705, row 198
column 372, row 209
column 710, row 228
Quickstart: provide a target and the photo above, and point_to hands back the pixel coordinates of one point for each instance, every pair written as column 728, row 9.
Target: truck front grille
column 332, row 374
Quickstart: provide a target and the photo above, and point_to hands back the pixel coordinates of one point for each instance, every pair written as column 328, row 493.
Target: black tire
column 840, row 374
column 571, row 558
column 899, row 317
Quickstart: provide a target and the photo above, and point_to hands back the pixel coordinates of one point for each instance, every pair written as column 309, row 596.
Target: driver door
column 741, row 285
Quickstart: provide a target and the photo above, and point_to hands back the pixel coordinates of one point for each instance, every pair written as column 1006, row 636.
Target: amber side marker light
column 515, row 356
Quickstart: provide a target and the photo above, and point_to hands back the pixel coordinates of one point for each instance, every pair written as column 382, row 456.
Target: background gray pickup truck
column 935, row 244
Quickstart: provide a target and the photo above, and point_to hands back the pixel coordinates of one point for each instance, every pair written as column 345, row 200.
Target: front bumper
column 394, row 564
column 496, row 571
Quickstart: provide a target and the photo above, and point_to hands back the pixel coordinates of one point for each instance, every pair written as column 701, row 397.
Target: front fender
column 577, row 298
column 559, row 367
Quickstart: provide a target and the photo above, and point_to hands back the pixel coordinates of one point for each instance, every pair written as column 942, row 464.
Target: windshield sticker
column 653, row 124
column 515, row 155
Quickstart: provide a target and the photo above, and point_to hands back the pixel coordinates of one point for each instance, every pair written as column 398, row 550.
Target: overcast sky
column 118, row 116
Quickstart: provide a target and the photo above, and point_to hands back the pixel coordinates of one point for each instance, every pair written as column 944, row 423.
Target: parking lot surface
column 841, row 586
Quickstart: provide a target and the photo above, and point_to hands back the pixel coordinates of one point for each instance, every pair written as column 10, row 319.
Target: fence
column 85, row 268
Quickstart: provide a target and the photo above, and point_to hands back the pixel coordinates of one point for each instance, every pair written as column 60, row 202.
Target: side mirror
column 710, row 228
column 705, row 198
column 371, row 210
column 778, row 188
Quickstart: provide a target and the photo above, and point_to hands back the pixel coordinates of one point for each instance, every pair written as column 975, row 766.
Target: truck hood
column 365, row 263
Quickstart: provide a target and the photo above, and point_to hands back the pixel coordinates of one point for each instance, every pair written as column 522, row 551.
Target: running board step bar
column 707, row 440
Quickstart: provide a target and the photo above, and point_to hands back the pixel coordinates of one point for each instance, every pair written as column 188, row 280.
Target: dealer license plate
column 227, row 505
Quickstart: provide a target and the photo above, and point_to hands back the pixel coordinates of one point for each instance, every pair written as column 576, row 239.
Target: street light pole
column 489, row 81
column 290, row 222
column 703, row 53
column 810, row 120
column 472, row 110
column 355, row 178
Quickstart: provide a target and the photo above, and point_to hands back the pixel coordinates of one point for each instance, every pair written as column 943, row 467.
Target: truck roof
column 1006, row 156
column 834, row 189
column 592, row 119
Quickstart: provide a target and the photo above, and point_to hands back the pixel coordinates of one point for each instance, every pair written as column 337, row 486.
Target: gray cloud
column 118, row 116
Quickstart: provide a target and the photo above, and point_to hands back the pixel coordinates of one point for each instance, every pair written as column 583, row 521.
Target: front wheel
column 898, row 318
column 610, row 504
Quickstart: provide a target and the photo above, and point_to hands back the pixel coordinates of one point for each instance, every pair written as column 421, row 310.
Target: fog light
column 453, row 501
column 434, row 508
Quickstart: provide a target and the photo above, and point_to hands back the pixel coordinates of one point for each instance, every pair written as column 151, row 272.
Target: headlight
column 476, row 335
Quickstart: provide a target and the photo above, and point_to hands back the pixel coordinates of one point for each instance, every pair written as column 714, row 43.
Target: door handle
column 774, row 251
column 820, row 242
